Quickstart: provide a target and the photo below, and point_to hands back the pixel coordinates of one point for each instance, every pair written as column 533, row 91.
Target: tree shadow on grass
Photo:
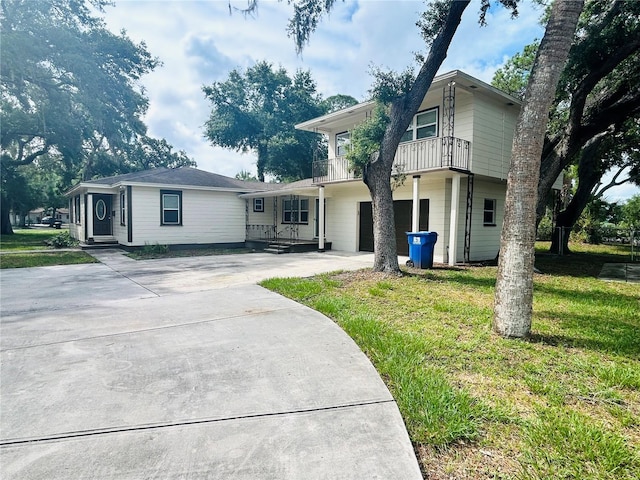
column 579, row 265
column 459, row 275
column 592, row 332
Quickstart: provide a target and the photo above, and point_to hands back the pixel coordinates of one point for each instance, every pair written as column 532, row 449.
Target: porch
column 411, row 157
column 289, row 219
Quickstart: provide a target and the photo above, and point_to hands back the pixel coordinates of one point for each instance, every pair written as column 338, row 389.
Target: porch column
column 321, row 218
column 453, row 222
column 89, row 216
column 415, row 212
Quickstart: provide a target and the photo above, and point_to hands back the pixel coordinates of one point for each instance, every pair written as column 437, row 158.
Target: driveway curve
column 185, row 368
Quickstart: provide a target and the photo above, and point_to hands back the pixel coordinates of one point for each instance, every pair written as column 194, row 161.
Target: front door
column 101, row 215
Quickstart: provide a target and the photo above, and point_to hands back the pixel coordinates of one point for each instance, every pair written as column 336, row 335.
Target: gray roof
column 183, row 176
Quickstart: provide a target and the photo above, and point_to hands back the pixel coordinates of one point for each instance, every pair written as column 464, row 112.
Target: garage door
column 402, row 215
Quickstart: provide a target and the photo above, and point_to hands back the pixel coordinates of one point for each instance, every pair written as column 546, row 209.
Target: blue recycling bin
column 421, row 245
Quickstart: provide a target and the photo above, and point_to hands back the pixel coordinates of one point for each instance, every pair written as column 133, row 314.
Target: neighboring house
column 454, row 158
column 36, row 216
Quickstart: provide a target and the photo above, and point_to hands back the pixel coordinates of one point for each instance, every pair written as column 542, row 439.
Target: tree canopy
column 257, row 110
column 594, row 120
column 70, row 93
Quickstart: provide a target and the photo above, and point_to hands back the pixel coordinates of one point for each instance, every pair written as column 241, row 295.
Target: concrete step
column 276, row 248
column 98, row 246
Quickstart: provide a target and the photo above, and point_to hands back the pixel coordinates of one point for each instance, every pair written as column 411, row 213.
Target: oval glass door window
column 101, row 210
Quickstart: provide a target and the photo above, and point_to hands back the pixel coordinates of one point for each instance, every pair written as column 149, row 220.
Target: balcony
column 411, row 157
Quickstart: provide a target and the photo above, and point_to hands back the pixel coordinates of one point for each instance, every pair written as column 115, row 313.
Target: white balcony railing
column 411, row 157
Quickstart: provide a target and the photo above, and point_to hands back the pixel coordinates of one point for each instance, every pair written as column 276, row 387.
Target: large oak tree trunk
column 5, row 221
column 514, row 283
column 378, row 179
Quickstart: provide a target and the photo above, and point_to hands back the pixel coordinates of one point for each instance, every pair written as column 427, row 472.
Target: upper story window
column 489, row 218
column 295, row 210
column 423, row 125
column 342, row 143
column 170, row 207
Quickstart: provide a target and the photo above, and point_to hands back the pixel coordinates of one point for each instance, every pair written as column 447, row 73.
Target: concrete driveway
column 184, row 368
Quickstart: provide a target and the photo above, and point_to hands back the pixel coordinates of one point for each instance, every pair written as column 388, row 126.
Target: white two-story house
column 454, row 159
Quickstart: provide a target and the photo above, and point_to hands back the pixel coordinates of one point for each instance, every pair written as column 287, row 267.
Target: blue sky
column 199, row 42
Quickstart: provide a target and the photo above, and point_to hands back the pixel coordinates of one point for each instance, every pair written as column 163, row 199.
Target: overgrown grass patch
column 563, row 404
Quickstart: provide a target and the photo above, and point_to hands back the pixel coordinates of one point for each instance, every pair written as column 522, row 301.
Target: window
column 489, row 212
column 423, row 125
column 295, row 210
column 343, row 140
column 123, row 209
column 170, row 207
column 258, row 204
column 76, row 209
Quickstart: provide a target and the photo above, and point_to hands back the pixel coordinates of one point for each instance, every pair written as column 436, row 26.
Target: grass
column 44, row 259
column 27, row 239
column 563, row 404
column 18, row 250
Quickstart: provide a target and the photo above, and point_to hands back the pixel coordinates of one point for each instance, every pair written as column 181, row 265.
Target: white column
column 415, row 213
column 321, row 218
column 89, row 216
column 453, row 225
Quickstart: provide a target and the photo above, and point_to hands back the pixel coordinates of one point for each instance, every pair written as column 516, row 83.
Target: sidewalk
column 620, row 272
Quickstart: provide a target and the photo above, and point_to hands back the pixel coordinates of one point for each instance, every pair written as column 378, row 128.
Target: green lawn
column 27, row 239
column 18, row 250
column 564, row 404
column 44, row 259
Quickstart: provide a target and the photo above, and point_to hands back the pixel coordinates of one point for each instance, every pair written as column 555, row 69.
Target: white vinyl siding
column 207, row 217
column 485, row 241
column 493, row 127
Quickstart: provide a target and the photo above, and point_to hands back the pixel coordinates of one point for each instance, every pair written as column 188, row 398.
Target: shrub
column 545, row 229
column 155, row 249
column 62, row 240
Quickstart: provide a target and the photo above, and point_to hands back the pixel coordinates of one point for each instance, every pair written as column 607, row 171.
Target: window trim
column 492, row 211
column 260, row 207
column 413, row 127
column 123, row 208
column 77, row 218
column 299, row 211
column 177, row 193
column 341, row 149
